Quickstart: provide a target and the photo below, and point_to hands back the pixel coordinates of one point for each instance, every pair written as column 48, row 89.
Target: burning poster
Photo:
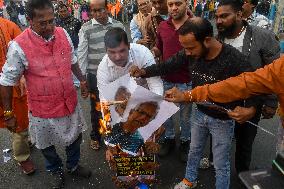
column 117, row 92
column 144, row 113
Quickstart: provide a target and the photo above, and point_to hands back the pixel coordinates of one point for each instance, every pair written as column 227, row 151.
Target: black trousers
column 245, row 135
column 95, row 115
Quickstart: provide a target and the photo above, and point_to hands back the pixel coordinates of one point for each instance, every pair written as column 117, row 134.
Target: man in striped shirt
column 91, row 50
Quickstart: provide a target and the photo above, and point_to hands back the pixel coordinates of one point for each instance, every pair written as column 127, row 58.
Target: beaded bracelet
column 188, row 96
column 8, row 113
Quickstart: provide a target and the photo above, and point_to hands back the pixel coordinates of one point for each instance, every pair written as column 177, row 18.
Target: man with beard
column 210, row 61
column 91, row 50
column 167, row 45
column 260, row 47
column 267, row 80
column 159, row 14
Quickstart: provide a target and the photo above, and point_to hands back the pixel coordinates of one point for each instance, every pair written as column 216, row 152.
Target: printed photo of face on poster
column 118, row 91
column 144, row 114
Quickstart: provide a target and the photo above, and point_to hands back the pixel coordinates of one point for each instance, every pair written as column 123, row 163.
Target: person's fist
column 135, row 71
column 174, row 95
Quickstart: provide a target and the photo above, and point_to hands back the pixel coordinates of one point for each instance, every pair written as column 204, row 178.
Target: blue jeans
column 184, row 114
column 53, row 161
column 222, row 132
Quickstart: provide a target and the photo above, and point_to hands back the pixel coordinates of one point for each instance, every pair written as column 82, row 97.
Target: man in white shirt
column 91, row 50
column 121, row 56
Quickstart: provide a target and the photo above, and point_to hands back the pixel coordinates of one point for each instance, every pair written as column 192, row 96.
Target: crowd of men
column 173, row 47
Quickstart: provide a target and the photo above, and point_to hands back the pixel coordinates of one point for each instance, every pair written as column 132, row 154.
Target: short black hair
column 37, row 4
column 60, row 6
column 254, row 2
column 114, row 37
column 237, row 5
column 200, row 27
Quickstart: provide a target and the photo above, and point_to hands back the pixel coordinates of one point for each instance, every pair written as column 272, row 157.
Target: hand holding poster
column 142, row 115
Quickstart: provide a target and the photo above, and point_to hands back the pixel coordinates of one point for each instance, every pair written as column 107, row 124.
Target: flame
column 105, row 121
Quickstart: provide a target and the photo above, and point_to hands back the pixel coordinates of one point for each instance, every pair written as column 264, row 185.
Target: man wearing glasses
column 126, row 134
column 44, row 55
column 91, row 50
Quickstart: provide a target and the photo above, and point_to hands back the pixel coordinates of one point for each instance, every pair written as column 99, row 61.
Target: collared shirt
column 17, row 63
column 135, row 32
column 140, row 56
column 138, row 27
column 151, row 24
column 84, row 43
column 168, row 43
column 44, row 132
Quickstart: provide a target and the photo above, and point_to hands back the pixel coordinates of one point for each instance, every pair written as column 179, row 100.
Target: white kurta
column 44, row 132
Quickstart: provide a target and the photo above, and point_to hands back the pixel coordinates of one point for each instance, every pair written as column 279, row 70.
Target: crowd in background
column 124, row 10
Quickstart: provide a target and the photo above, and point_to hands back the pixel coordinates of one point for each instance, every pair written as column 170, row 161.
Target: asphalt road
column 171, row 170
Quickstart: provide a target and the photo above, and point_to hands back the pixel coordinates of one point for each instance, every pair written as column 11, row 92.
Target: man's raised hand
column 135, row 71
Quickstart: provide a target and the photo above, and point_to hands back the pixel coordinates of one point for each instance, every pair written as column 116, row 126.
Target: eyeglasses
column 101, row 10
column 142, row 112
column 44, row 24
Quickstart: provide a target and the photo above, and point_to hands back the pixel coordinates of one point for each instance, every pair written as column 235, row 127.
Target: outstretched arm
column 267, row 80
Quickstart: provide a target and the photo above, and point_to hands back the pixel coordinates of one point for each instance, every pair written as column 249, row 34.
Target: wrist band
column 8, row 113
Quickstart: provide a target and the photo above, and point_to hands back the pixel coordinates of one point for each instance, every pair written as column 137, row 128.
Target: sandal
column 95, row 145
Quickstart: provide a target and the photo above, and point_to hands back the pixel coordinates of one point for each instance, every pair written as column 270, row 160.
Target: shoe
column 95, row 144
column 81, row 172
column 183, row 151
column 57, row 179
column 166, row 147
column 205, row 163
column 185, row 184
column 27, row 166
